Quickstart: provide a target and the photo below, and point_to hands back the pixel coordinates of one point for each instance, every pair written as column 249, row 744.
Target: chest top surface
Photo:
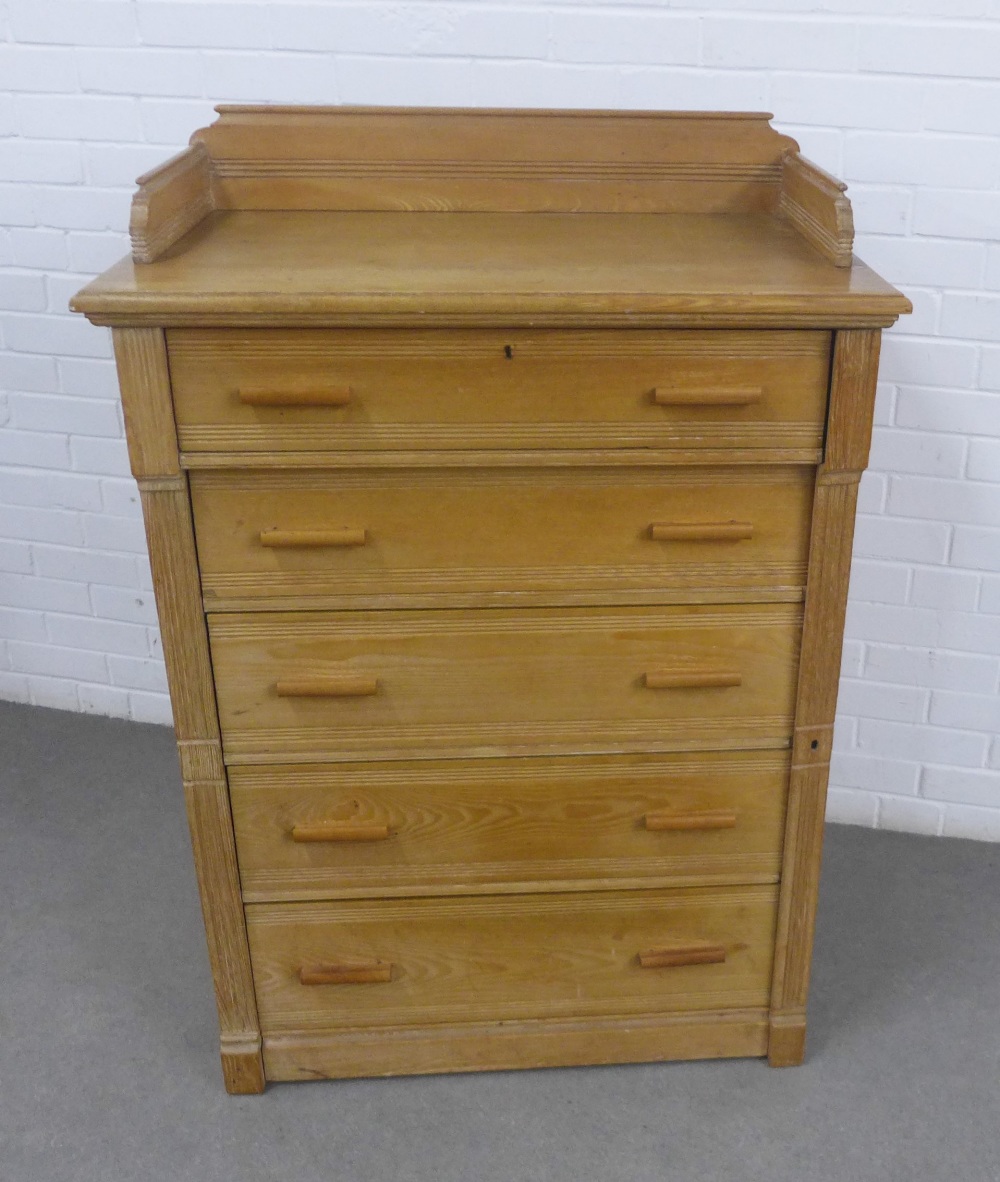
column 342, row 215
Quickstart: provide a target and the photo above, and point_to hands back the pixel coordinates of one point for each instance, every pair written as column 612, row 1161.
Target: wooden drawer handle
column 718, row 396
column 701, row 531
column 691, row 679
column 354, row 972
column 682, row 954
column 356, row 685
column 328, row 396
column 340, row 831
column 710, row 819
column 295, row 538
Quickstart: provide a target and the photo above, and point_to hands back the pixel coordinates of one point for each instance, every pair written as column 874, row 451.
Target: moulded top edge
column 459, row 112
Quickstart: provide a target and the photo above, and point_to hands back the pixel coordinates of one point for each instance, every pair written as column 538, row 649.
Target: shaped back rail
column 426, row 159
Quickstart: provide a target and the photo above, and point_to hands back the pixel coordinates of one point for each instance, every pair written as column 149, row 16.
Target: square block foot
column 243, row 1071
column 786, row 1043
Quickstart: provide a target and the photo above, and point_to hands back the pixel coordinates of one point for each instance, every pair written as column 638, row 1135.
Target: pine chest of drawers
column 499, row 472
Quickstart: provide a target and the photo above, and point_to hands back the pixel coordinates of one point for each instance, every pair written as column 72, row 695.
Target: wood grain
column 352, row 685
column 170, row 201
column 701, row 531
column 497, row 1046
column 591, row 270
column 826, row 601
column 498, row 533
column 691, row 678
column 665, row 821
column 494, row 826
column 460, row 389
column 172, row 556
column 144, row 381
column 338, row 831
column 214, row 849
column 201, row 759
column 353, row 972
column 510, row 959
column 328, row 396
column 173, row 561
column 291, row 539
column 607, row 457
column 185, row 648
column 413, row 158
column 852, row 401
column 852, row 393
column 501, row 429
column 707, row 396
column 502, row 682
column 815, row 204
column 676, row 956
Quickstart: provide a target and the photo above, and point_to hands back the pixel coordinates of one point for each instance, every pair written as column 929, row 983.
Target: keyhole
column 508, row 352
column 814, row 744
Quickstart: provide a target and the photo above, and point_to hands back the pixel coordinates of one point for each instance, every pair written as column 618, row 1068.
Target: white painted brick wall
column 900, row 97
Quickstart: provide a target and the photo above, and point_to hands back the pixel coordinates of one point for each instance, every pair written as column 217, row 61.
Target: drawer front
column 569, row 535
column 396, row 963
column 462, row 826
column 316, row 390
column 338, row 685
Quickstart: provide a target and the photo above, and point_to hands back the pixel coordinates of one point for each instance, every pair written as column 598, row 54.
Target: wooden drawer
column 464, row 826
column 317, row 390
column 336, row 685
column 418, row 961
column 383, row 538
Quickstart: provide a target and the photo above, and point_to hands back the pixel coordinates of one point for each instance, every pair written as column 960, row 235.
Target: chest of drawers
column 499, row 472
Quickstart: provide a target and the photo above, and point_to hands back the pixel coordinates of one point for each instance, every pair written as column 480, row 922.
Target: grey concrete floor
column 108, row 1069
